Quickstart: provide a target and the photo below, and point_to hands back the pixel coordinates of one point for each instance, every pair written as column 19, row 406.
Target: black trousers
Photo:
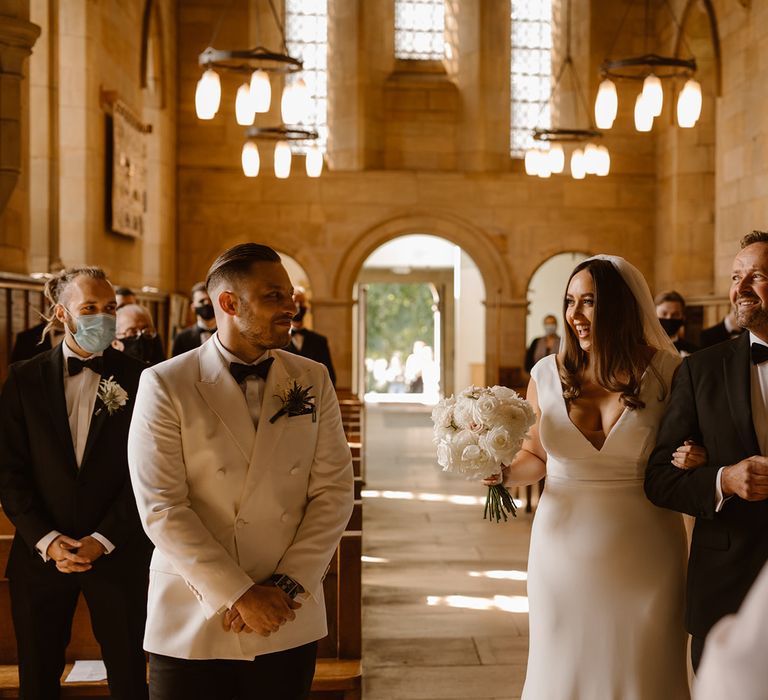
column 43, row 607
column 283, row 675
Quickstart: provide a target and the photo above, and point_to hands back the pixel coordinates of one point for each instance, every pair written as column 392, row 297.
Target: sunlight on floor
column 511, row 575
column 460, row 500
column 506, row 603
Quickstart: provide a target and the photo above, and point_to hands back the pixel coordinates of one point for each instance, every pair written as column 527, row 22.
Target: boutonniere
column 112, row 396
column 297, row 401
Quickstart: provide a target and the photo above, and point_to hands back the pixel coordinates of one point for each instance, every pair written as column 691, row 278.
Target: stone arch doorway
column 419, row 329
column 503, row 314
column 545, row 292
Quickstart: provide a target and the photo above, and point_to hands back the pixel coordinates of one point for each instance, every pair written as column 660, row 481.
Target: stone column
column 17, row 37
column 333, row 318
column 505, row 336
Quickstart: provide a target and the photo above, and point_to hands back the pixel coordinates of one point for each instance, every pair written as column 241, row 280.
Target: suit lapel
column 225, row 398
column 736, row 368
column 100, row 413
column 52, row 375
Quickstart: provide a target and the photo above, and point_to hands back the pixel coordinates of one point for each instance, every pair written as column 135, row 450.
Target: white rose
column 504, row 393
column 471, row 453
column 500, row 445
column 486, row 409
column 444, row 455
column 463, row 414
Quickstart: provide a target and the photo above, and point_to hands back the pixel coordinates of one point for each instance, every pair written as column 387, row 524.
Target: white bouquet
column 477, row 432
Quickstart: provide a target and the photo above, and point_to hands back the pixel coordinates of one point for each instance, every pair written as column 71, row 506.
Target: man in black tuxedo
column 307, row 343
column 64, row 484
column 727, row 329
column 28, row 342
column 720, row 400
column 205, row 323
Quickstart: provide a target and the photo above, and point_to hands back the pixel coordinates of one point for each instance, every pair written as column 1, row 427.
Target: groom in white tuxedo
column 245, row 493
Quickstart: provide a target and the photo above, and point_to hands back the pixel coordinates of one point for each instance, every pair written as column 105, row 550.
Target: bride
column 606, row 567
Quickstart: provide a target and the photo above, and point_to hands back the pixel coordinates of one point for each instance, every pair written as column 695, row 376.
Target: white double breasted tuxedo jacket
column 227, row 505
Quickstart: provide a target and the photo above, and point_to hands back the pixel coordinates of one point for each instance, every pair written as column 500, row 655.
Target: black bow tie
column 241, row 372
column 298, row 331
column 759, row 353
column 75, row 365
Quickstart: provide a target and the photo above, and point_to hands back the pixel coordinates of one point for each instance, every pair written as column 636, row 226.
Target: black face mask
column 299, row 315
column 140, row 347
column 205, row 311
column 671, row 325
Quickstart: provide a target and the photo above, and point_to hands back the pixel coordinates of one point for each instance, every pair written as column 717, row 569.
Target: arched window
column 152, row 77
column 531, row 70
column 420, row 29
column 306, row 35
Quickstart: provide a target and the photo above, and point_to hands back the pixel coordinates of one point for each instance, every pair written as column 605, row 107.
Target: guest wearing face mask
column 547, row 344
column 205, row 326
column 64, row 418
column 305, row 342
column 670, row 310
column 135, row 335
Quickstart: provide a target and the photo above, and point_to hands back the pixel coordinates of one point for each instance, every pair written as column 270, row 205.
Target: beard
column 257, row 334
column 754, row 317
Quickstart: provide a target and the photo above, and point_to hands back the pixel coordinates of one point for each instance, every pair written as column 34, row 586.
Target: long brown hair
column 617, row 354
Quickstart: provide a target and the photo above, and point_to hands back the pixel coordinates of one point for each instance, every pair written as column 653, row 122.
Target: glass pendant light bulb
column 578, row 172
column 208, row 95
column 591, row 159
column 606, row 104
column 556, row 158
column 288, row 108
column 250, row 159
column 244, row 112
column 544, row 167
column 532, row 162
column 314, row 161
column 261, row 91
column 643, row 115
column 282, row 160
column 302, row 99
column 689, row 104
column 604, row 161
column 653, row 94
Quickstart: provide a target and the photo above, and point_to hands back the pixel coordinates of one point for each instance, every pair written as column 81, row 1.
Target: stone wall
column 468, row 190
column 85, row 51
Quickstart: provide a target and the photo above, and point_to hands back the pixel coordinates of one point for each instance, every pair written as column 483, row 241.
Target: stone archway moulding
column 707, row 7
column 474, row 241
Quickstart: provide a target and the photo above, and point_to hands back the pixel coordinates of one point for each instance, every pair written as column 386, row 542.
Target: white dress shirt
column 298, row 340
column 758, row 386
column 80, row 392
column 253, row 386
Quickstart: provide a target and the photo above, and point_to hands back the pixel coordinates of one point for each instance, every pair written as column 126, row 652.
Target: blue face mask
column 95, row 332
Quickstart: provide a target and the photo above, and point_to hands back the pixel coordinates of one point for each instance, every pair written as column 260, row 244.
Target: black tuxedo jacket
column 41, row 487
column 713, row 335
column 187, row 339
column 710, row 403
column 28, row 344
column 315, row 347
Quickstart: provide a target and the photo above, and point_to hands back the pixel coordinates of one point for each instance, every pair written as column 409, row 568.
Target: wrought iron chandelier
column 549, row 158
column 254, row 96
column 652, row 69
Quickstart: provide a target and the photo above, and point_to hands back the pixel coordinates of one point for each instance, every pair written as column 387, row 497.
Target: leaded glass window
column 531, row 74
column 420, row 29
column 306, row 35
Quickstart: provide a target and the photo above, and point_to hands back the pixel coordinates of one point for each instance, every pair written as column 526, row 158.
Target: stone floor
column 444, row 592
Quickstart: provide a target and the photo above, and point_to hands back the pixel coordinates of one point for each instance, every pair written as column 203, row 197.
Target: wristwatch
column 287, row 584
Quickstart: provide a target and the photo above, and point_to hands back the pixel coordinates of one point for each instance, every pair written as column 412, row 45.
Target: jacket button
column 240, row 523
column 284, row 517
column 295, row 470
column 220, row 474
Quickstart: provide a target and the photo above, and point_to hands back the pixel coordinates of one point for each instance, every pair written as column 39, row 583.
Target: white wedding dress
column 607, row 568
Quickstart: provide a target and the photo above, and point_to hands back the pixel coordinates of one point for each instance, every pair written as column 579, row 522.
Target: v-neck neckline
column 618, row 421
